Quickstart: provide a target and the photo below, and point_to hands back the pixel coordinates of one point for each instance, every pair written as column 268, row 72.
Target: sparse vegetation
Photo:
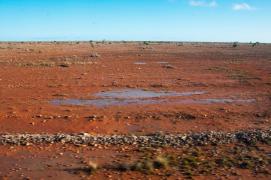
column 255, row 44
column 92, row 44
column 53, row 62
column 145, row 166
column 235, row 44
column 161, row 162
column 237, row 74
column 91, row 166
column 195, row 161
column 164, row 139
column 180, row 44
column 94, row 55
column 146, row 43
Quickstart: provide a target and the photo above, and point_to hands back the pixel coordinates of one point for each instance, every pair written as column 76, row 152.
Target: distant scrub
column 146, row 43
column 235, row 44
column 255, row 44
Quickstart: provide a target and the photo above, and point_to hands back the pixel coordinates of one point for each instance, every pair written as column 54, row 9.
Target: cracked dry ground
column 34, row 74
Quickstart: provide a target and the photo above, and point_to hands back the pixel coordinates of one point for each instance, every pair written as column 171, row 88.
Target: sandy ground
column 34, row 74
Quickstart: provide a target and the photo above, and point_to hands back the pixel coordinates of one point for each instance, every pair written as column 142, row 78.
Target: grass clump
column 193, row 161
column 225, row 162
column 148, row 165
column 91, row 166
column 161, row 162
column 145, row 166
column 189, row 162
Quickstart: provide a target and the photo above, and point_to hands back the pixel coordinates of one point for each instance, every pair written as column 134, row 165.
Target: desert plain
column 139, row 90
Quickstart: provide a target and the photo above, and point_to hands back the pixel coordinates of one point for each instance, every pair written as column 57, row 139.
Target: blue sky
column 174, row 20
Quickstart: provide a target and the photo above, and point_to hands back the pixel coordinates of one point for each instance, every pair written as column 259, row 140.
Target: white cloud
column 242, row 6
column 203, row 3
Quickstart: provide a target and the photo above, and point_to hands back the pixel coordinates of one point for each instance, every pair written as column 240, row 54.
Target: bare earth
column 235, row 94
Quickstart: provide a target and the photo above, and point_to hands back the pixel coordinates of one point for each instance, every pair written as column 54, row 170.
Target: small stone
column 167, row 66
column 92, row 117
column 94, row 55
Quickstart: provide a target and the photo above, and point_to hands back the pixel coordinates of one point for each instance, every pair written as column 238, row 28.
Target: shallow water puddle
column 138, row 96
column 162, row 62
column 105, row 102
column 140, row 63
column 143, row 63
column 125, row 97
column 123, row 102
column 215, row 101
column 139, row 93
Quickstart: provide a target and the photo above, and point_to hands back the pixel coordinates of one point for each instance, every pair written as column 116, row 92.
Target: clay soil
column 34, row 74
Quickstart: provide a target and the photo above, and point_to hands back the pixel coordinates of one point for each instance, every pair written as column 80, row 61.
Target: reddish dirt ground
column 69, row 162
column 221, row 70
column 33, row 74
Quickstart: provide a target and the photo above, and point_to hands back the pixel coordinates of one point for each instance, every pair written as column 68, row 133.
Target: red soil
column 31, row 75
column 222, row 71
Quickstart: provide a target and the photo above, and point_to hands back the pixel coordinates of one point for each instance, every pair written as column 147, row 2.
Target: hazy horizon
column 136, row 20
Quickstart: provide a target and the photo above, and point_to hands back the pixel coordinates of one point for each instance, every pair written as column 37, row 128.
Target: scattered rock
column 94, row 55
column 91, row 118
column 64, row 65
column 157, row 85
column 153, row 140
column 168, row 66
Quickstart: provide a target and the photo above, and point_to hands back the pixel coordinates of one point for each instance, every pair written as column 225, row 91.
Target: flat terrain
column 132, row 88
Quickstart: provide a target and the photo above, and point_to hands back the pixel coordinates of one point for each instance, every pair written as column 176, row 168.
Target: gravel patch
column 157, row 139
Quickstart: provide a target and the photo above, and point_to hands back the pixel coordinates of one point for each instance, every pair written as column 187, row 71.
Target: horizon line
column 127, row 41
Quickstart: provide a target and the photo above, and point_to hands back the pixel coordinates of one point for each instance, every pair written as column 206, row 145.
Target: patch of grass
column 190, row 162
column 225, row 162
column 89, row 168
column 204, row 160
column 161, row 162
column 207, row 167
column 145, row 166
column 149, row 164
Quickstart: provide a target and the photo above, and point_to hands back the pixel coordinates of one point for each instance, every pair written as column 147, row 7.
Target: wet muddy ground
column 132, row 88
